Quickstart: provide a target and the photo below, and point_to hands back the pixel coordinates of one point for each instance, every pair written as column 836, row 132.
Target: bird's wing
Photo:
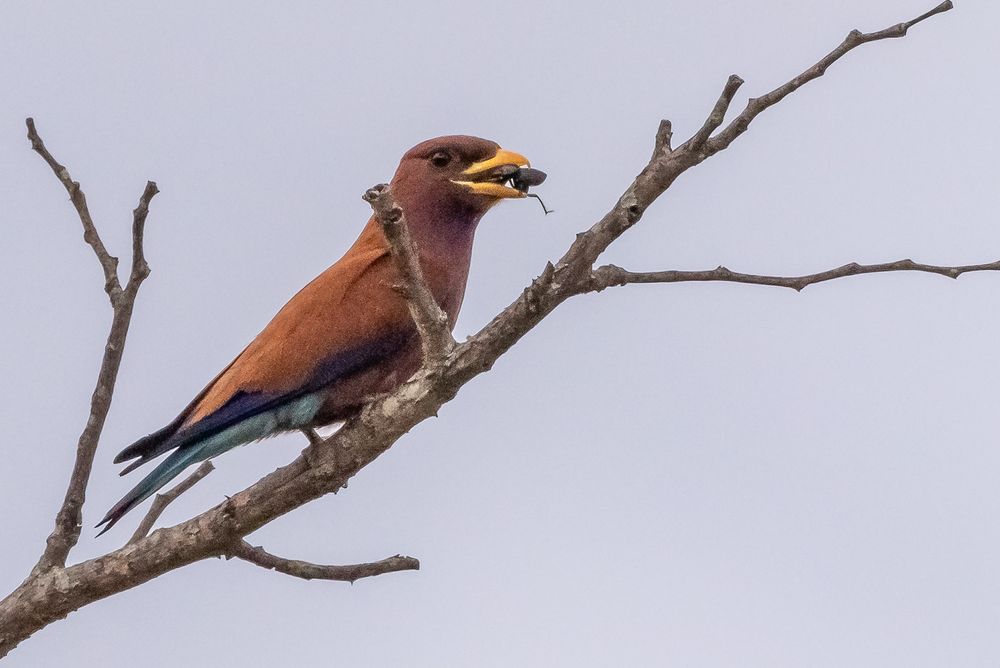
column 344, row 320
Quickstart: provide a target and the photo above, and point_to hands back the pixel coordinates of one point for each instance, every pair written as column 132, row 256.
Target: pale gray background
column 696, row 475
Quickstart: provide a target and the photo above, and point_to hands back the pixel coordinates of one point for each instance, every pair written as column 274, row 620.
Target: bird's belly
column 348, row 395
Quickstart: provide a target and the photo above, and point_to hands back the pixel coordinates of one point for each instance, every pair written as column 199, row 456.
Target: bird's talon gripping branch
column 312, row 436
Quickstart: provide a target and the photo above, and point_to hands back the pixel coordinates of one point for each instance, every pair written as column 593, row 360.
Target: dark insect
column 520, row 178
column 524, row 178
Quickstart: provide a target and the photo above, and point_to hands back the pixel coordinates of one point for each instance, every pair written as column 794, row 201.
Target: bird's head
column 460, row 176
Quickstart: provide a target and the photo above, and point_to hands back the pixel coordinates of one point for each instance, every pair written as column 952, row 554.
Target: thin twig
column 717, row 115
column 611, row 275
column 109, row 263
column 69, row 518
column 309, row 571
column 854, row 39
column 573, row 270
column 431, row 321
column 140, row 269
column 161, row 501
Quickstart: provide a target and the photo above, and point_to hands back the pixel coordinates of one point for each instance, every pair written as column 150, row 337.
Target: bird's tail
column 291, row 415
column 168, row 469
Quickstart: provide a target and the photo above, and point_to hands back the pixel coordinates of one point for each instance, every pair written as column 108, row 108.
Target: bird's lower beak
column 506, row 174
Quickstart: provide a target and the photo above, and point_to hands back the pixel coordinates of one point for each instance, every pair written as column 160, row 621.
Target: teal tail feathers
column 292, row 415
column 168, row 469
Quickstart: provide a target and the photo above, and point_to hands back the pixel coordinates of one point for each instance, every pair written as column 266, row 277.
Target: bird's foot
column 311, row 451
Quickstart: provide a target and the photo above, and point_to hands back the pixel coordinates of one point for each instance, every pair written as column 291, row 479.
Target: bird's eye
column 440, row 159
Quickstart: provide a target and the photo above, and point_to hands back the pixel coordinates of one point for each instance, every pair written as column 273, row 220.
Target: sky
column 689, row 474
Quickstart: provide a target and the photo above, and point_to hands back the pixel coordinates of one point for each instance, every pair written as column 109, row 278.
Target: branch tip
column 664, row 134
column 610, row 275
column 854, row 39
column 305, row 570
column 718, row 113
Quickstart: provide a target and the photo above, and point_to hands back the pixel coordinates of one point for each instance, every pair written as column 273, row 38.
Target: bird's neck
column 443, row 229
column 443, row 236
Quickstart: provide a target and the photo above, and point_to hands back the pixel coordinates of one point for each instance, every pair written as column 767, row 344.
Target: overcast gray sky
column 696, row 474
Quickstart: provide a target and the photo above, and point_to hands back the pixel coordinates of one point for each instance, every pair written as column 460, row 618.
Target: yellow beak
column 494, row 187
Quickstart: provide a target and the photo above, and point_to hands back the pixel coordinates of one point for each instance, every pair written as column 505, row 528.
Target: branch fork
column 70, row 516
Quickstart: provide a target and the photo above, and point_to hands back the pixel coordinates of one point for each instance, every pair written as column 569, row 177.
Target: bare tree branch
column 663, row 169
column 611, row 275
column 69, row 518
column 664, row 134
column 309, row 571
column 854, row 39
column 431, row 321
column 161, row 501
column 109, row 263
column 55, row 591
column 140, row 268
column 717, row 115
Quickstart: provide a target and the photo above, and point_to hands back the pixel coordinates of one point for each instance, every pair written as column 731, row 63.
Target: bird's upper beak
column 506, row 174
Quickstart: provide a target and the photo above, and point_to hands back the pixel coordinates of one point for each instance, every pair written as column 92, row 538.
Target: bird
column 348, row 334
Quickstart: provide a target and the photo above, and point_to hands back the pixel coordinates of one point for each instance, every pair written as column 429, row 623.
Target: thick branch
column 309, row 571
column 161, row 501
column 69, row 518
column 611, row 276
column 431, row 321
